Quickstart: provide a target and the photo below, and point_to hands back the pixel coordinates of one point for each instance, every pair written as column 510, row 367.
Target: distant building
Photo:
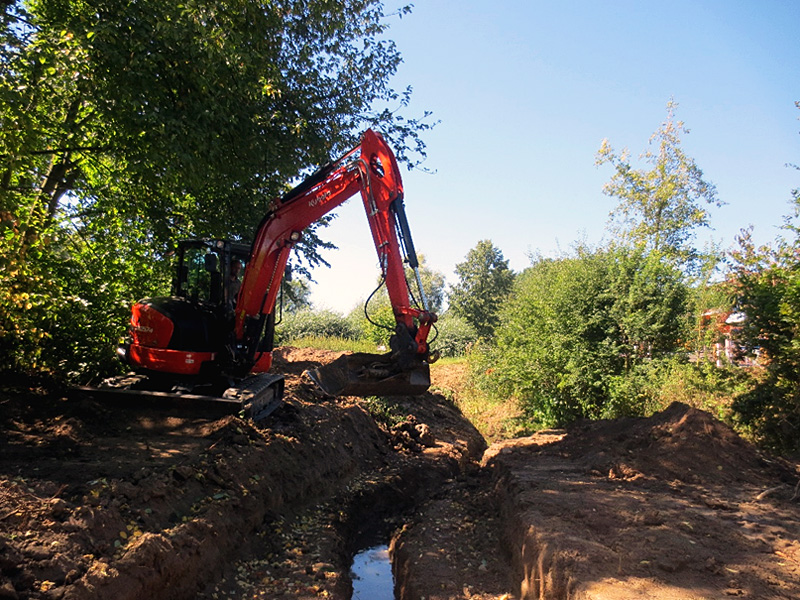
column 721, row 327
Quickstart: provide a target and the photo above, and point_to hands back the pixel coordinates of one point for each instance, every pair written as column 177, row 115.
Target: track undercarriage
column 254, row 397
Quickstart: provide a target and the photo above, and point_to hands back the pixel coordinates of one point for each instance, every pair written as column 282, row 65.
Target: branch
column 67, row 150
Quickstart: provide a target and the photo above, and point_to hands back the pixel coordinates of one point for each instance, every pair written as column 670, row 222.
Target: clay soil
column 106, row 501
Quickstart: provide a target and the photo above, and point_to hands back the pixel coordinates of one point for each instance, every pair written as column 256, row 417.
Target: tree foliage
column 766, row 284
column 767, row 288
column 581, row 335
column 124, row 126
column 484, row 281
column 295, row 295
column 660, row 208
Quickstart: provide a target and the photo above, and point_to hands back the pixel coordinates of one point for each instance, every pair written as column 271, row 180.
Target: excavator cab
column 204, row 270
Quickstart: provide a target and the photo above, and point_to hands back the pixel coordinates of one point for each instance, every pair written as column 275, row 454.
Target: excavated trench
column 101, row 501
column 309, row 550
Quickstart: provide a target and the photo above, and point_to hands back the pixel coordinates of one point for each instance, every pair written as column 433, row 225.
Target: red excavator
column 211, row 340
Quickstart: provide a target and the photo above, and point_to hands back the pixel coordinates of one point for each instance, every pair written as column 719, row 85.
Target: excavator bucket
column 363, row 374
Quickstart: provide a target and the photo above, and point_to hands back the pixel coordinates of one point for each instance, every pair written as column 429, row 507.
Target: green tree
column 484, row 281
column 126, row 125
column 296, row 295
column 659, row 208
column 193, row 115
column 767, row 287
column 584, row 335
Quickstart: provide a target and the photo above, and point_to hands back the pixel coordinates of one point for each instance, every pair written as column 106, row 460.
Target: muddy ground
column 103, row 501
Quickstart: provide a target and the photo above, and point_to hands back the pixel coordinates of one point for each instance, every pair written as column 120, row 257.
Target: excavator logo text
column 321, row 199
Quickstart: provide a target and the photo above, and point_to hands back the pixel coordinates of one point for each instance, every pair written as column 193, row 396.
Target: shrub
column 767, row 282
column 310, row 323
column 455, row 336
column 584, row 335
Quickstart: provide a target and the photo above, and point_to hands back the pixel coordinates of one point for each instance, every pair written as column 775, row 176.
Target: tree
column 484, row 281
column 767, row 288
column 659, row 209
column 584, row 335
column 124, row 126
column 296, row 295
column 192, row 114
column 766, row 285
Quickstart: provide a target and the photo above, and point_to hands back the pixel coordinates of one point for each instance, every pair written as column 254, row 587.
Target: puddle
column 372, row 574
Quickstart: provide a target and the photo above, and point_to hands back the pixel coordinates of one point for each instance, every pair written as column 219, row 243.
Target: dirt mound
column 100, row 501
column 679, row 444
column 675, row 506
column 104, row 502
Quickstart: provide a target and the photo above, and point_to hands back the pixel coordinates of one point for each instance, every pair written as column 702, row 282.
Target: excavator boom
column 371, row 170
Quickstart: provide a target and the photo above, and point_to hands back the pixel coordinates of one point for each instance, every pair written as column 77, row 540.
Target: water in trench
column 372, row 574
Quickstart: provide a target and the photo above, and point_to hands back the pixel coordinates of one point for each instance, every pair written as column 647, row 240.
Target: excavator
column 210, row 342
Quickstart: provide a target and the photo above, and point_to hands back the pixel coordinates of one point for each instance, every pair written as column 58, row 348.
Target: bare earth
column 103, row 501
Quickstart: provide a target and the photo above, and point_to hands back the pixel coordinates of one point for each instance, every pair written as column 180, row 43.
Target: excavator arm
column 371, row 170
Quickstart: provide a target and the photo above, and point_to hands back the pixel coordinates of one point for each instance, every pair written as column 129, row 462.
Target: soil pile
column 674, row 506
column 101, row 501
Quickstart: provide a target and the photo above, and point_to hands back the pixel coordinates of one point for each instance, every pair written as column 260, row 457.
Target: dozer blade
column 363, row 374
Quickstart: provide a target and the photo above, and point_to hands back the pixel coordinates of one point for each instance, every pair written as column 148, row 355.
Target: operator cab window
column 201, row 275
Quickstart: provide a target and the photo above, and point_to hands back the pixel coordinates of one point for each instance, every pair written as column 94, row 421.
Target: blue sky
column 525, row 92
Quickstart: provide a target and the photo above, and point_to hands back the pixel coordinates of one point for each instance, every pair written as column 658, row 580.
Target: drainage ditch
column 339, row 548
column 133, row 503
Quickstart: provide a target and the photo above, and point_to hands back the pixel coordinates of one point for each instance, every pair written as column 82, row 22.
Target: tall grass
column 335, row 344
column 494, row 419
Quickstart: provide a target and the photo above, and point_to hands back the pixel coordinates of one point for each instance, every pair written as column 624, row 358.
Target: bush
column 455, row 336
column 632, row 393
column 583, row 336
column 380, row 325
column 704, row 386
column 310, row 323
column 60, row 311
column 767, row 281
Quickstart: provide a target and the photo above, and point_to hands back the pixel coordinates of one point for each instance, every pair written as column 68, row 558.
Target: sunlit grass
column 495, row 420
column 334, row 344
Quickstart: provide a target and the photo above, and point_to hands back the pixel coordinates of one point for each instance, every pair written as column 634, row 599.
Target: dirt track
column 104, row 502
